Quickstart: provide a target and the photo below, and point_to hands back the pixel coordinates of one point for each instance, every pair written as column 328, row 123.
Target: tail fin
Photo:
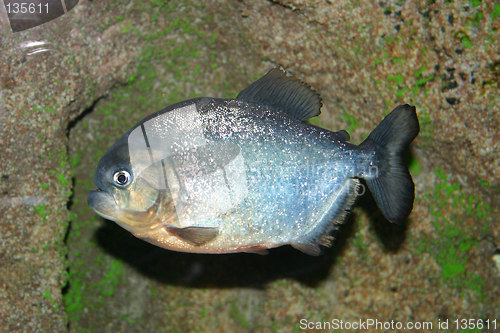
column 392, row 187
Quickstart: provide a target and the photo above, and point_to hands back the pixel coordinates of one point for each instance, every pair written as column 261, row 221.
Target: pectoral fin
column 196, row 236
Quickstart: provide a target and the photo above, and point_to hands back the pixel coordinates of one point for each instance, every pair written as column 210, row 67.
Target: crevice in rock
column 287, row 6
column 82, row 115
column 69, row 204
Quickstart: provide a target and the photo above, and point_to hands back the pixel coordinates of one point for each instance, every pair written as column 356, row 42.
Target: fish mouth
column 103, row 204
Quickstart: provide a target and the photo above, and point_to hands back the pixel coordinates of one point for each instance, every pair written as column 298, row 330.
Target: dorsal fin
column 285, row 93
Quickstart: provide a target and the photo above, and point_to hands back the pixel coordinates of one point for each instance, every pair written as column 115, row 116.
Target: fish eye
column 122, row 177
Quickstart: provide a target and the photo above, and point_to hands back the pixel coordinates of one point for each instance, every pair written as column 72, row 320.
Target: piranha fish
column 211, row 175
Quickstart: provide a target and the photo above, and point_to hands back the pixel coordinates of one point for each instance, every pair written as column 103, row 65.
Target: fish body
column 213, row 175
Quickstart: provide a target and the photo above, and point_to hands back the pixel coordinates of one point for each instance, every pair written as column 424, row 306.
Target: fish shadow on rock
column 223, row 270
column 392, row 235
column 244, row 269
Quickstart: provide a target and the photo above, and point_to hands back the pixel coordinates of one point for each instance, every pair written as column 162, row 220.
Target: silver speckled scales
column 281, row 181
column 221, row 176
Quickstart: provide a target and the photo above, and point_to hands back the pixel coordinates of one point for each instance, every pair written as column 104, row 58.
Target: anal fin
column 196, row 236
column 307, row 248
column 340, row 205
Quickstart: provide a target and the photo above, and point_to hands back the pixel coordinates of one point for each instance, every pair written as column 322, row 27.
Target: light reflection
column 34, row 47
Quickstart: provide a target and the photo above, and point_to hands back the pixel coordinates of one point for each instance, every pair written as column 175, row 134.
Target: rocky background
column 107, row 64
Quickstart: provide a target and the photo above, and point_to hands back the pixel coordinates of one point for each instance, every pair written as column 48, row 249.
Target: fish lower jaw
column 137, row 227
column 105, row 216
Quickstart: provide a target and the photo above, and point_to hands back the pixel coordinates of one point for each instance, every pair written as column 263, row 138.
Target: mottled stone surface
column 127, row 59
column 48, row 76
column 372, row 56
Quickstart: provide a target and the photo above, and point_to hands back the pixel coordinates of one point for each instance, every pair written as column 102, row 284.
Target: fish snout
column 103, row 204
